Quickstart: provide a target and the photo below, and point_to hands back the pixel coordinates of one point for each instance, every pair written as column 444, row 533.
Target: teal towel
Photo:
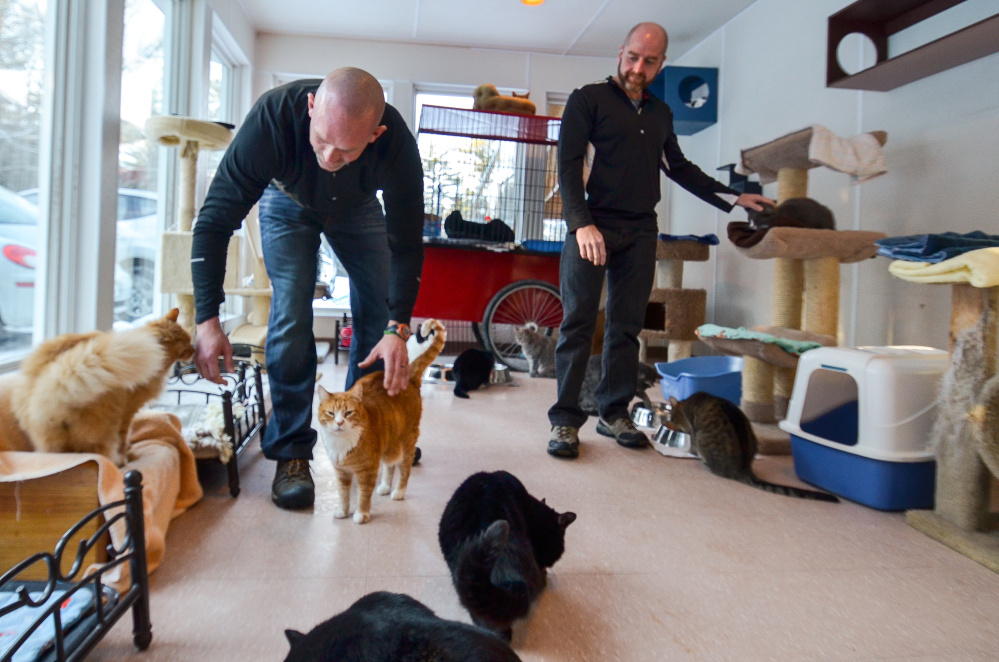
column 796, row 347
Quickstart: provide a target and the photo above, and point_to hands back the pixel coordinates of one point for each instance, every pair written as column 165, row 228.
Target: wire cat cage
column 490, row 166
column 493, row 226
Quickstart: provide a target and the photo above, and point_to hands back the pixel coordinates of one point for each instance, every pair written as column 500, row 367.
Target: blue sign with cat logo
column 692, row 94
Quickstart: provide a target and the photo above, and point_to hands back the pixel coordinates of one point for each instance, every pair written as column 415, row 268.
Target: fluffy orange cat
column 367, row 432
column 80, row 391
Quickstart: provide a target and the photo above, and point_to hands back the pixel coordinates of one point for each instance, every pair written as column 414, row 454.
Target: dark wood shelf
column 879, row 19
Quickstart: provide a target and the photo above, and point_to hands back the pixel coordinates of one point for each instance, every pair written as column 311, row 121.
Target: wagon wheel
column 516, row 305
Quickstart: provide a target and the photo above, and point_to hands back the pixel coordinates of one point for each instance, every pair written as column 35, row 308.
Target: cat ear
column 323, row 393
column 565, row 519
column 543, row 501
column 294, row 636
column 173, row 315
column 673, row 401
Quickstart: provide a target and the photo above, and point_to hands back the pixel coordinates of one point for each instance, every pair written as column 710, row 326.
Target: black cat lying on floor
column 391, row 627
column 498, row 542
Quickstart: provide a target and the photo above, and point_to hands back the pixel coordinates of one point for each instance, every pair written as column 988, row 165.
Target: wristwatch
column 401, row 330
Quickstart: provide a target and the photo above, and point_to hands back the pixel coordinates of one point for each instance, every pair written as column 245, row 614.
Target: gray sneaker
column 624, row 432
column 564, row 441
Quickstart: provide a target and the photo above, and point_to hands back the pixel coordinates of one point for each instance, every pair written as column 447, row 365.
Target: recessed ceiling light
column 532, row 3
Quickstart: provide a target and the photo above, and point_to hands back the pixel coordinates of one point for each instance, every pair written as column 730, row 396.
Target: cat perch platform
column 968, row 450
column 806, row 261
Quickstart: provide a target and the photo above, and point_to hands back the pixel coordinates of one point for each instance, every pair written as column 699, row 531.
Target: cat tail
column 86, row 371
column 429, row 341
column 787, row 490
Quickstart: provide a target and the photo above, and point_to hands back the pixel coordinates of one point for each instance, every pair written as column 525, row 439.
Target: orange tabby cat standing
column 80, row 391
column 367, row 432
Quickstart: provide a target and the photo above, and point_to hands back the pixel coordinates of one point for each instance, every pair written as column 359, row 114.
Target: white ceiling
column 569, row 27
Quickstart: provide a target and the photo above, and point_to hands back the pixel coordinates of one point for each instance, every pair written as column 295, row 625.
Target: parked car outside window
column 18, row 244
column 137, row 238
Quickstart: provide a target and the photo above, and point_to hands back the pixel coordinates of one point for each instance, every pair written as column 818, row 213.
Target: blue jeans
column 630, row 270
column 290, row 238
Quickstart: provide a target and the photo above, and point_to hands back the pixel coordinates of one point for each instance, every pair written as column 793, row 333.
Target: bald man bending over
column 314, row 153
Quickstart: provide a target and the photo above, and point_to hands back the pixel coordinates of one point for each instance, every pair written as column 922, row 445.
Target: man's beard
column 636, row 83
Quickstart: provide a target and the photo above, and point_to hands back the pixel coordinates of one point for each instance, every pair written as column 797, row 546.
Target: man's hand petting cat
column 392, row 349
column 211, row 343
column 755, row 201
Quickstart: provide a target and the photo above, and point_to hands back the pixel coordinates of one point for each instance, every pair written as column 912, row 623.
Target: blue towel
column 709, row 239
column 934, row 247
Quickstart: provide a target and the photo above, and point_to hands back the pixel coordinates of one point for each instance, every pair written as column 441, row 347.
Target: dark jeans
column 630, row 270
column 290, row 238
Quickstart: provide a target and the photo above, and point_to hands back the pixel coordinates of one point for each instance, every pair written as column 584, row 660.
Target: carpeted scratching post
column 191, row 136
column 966, row 434
column 674, row 312
column 806, row 273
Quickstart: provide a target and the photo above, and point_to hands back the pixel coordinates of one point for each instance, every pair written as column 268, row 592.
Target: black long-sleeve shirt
column 273, row 145
column 624, row 147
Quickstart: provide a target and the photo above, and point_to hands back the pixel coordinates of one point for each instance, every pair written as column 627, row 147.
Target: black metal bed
column 107, row 606
column 244, row 386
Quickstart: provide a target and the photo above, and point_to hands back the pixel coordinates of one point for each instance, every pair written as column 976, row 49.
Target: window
column 22, row 73
column 138, row 230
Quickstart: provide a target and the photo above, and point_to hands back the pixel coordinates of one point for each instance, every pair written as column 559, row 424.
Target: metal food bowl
column 649, row 418
column 500, row 374
column 669, row 436
column 439, row 373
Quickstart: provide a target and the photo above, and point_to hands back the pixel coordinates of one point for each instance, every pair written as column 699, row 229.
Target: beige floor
column 665, row 561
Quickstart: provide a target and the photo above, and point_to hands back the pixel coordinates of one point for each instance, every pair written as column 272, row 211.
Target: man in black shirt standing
column 614, row 139
column 314, row 153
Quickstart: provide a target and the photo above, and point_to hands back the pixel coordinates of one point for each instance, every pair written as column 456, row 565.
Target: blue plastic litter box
column 717, row 375
column 860, row 421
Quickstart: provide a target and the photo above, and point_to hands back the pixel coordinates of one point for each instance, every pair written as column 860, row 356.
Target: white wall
column 943, row 137
column 409, row 64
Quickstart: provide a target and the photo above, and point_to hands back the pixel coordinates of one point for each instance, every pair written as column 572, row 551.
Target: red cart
column 496, row 290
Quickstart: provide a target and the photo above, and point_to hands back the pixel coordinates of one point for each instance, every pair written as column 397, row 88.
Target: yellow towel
column 979, row 268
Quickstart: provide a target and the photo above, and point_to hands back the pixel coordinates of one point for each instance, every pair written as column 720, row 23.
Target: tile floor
column 665, row 561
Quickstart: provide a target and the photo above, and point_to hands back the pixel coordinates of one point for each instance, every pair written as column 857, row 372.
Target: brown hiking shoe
column 293, row 487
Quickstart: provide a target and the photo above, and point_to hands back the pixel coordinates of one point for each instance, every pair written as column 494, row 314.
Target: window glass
column 138, row 231
column 22, row 74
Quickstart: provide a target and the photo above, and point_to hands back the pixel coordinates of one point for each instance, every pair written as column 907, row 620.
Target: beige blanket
column 979, row 268
column 169, row 475
column 859, row 156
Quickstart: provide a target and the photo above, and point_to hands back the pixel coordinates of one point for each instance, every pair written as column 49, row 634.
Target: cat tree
column 674, row 313
column 806, row 261
column 194, row 136
column 966, row 436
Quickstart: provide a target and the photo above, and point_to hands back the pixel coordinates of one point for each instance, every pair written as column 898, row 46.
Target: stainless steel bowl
column 669, row 436
column 500, row 375
column 438, row 373
column 649, row 418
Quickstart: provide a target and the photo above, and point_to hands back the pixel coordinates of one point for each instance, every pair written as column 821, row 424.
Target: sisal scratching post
column 968, row 442
column 674, row 313
column 789, row 282
column 757, row 390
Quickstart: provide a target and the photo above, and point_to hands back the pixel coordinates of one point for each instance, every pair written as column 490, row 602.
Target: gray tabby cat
column 647, row 378
column 538, row 348
column 723, row 437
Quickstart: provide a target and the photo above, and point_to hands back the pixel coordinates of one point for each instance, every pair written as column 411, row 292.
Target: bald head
column 641, row 57
column 346, row 113
column 650, row 33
